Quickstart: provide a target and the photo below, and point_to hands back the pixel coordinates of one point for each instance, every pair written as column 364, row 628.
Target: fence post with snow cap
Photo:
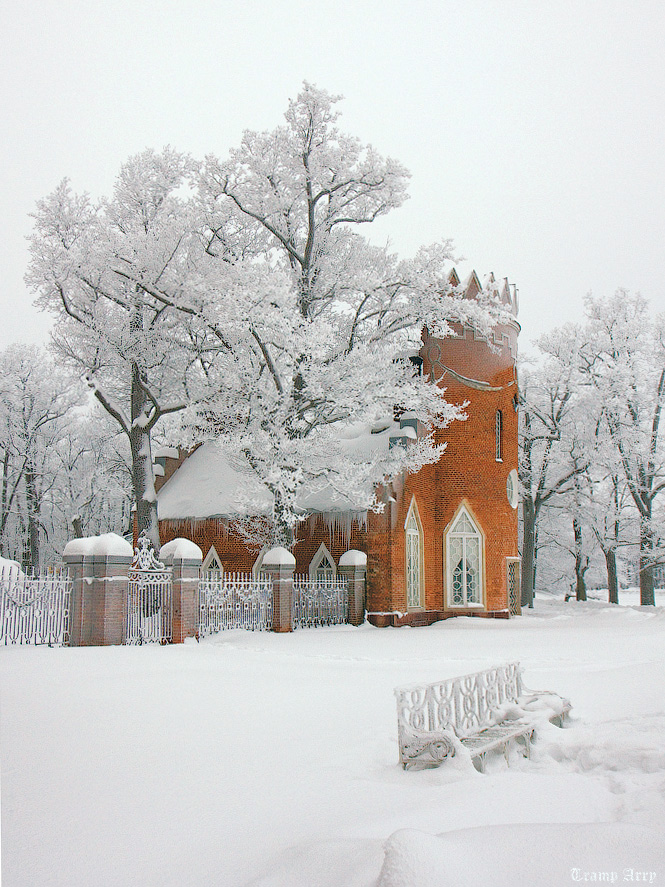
column 280, row 565
column 184, row 558
column 353, row 567
column 98, row 567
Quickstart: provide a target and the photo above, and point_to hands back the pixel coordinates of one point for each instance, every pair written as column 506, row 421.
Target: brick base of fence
column 99, row 567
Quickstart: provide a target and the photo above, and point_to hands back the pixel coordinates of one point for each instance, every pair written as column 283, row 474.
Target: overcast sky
column 534, row 131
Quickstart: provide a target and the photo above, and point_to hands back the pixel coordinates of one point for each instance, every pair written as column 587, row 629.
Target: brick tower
column 446, row 543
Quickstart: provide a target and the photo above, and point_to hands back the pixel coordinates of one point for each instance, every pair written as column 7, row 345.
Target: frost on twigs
column 330, row 325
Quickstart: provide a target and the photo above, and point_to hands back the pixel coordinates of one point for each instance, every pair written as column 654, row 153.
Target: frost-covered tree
column 120, row 275
column 330, row 321
column 547, row 400
column 92, row 492
column 36, row 406
column 623, row 357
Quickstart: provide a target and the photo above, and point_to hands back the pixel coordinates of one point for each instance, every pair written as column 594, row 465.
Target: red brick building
column 446, row 542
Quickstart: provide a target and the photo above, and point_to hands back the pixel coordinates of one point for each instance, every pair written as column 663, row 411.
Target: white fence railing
column 149, row 599
column 318, row 602
column 34, row 607
column 234, row 600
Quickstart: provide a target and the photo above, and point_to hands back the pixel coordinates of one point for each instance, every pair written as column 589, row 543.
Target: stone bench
column 480, row 712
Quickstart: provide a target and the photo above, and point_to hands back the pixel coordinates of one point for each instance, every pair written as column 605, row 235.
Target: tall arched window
column 498, row 432
column 464, row 562
column 322, row 567
column 415, row 562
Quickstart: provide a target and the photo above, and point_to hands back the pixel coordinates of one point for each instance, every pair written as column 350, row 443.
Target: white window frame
column 512, row 488
column 498, row 435
column 322, row 554
column 212, row 557
column 413, row 529
column 516, row 564
column 256, row 569
column 451, row 535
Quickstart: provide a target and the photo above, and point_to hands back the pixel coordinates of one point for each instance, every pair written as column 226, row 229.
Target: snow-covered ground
column 271, row 760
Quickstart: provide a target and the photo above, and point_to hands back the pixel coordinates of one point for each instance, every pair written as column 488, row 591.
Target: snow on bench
column 479, row 712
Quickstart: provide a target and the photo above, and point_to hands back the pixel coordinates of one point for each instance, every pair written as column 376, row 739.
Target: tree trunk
column 282, row 529
column 143, row 478
column 4, row 508
column 32, row 509
column 612, row 576
column 77, row 527
column 528, row 551
column 647, row 596
column 581, row 562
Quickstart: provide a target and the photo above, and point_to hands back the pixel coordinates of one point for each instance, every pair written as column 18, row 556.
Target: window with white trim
column 415, row 566
column 322, row 566
column 212, row 563
column 498, row 434
column 464, row 562
column 256, row 568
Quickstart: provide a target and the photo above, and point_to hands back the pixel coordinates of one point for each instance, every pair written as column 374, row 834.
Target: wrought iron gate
column 149, row 598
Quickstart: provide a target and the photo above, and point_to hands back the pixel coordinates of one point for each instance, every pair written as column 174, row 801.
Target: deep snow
column 264, row 759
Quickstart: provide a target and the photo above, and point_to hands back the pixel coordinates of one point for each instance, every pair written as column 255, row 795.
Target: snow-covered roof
column 210, row 484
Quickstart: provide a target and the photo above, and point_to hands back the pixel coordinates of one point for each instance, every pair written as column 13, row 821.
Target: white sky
column 534, row 131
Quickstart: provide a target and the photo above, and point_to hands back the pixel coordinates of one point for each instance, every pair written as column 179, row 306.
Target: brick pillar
column 98, row 566
column 353, row 566
column 280, row 564
column 184, row 558
column 77, row 569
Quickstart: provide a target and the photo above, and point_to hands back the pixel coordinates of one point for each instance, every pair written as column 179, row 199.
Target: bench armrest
column 426, row 749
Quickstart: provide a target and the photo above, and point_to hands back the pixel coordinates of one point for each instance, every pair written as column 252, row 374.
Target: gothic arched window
column 415, row 561
column 212, row 565
column 322, row 567
column 464, row 562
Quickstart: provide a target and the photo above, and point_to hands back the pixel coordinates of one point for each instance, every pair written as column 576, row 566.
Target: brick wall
column 468, row 474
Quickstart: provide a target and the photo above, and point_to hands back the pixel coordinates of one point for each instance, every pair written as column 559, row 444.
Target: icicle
column 340, row 525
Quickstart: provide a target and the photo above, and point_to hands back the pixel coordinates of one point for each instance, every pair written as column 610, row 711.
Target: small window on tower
column 499, row 435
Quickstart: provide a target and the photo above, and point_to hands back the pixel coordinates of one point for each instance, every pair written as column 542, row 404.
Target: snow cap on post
column 353, row 558
column 278, row 557
column 181, row 550
column 106, row 545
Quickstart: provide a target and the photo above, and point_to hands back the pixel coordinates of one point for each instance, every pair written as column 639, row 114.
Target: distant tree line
column 592, row 453
column 64, row 471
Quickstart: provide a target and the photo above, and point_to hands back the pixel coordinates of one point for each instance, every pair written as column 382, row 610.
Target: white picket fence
column 34, row 607
column 319, row 602
column 234, row 600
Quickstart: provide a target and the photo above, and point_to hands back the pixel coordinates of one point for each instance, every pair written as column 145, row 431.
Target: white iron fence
column 149, row 598
column 234, row 600
column 318, row 602
column 34, row 607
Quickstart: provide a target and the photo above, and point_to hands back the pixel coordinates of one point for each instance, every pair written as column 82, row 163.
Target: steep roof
column 210, row 484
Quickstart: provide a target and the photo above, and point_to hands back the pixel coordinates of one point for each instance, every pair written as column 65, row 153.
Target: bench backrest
column 464, row 704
